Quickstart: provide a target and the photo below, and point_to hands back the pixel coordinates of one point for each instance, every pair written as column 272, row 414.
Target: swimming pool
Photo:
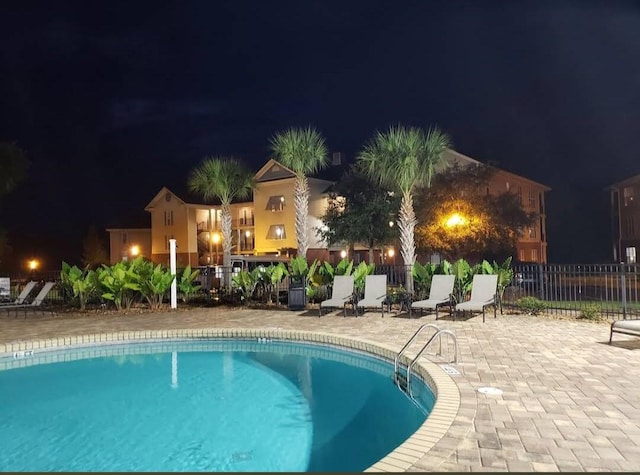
column 203, row 405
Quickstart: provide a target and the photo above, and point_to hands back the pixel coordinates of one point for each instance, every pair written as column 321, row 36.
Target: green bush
column 590, row 311
column 531, row 305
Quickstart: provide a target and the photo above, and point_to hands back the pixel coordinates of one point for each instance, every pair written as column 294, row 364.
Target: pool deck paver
column 569, row 400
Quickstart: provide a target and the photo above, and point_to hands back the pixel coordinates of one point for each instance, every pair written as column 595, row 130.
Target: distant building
column 266, row 224
column 625, row 219
column 532, row 244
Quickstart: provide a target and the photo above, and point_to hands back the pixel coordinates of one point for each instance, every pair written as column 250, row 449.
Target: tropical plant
column 224, row 179
column 120, row 282
column 82, row 284
column 422, row 276
column 245, row 282
column 403, row 159
column 153, row 282
column 360, row 272
column 304, row 152
column 463, row 273
column 299, row 268
column 272, row 276
column 187, row 283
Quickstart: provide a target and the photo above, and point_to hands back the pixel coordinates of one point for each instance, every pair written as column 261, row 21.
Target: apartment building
column 625, row 219
column 532, row 244
column 266, row 224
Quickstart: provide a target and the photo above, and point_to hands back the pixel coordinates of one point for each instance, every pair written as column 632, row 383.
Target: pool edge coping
column 405, row 456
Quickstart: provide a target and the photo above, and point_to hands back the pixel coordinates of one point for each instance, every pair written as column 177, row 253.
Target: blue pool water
column 213, row 405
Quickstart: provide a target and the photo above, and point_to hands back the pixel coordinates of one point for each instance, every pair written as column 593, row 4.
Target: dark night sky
column 113, row 100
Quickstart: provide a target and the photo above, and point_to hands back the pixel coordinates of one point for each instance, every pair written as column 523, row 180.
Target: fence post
column 623, row 287
column 540, row 282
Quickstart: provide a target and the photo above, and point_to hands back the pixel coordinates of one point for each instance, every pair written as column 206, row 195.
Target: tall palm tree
column 403, row 159
column 304, row 152
column 225, row 179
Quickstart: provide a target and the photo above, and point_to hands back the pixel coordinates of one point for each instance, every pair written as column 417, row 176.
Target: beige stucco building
column 266, row 225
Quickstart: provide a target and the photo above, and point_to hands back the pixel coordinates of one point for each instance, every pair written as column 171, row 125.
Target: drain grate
column 449, row 369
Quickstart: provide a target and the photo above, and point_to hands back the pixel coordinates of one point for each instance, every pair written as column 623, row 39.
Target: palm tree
column 304, row 152
column 225, row 179
column 404, row 159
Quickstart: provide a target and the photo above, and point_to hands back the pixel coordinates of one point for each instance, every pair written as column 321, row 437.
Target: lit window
column 627, row 194
column 534, row 255
column 277, row 231
column 631, row 255
column 275, row 203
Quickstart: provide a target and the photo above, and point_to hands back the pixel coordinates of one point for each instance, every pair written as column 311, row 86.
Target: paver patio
column 569, row 402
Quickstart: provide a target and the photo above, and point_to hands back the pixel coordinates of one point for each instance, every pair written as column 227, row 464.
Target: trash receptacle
column 297, row 293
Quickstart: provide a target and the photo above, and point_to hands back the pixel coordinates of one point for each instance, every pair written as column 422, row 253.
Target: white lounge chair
column 23, row 295
column 439, row 294
column 375, row 293
column 37, row 301
column 627, row 327
column 483, row 294
column 341, row 294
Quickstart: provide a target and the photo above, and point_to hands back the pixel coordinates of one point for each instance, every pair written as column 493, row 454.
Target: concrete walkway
column 569, row 401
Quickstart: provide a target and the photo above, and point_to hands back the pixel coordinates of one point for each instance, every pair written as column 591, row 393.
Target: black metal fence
column 612, row 289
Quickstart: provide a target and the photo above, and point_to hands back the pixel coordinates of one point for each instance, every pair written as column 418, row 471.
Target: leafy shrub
column 590, row 311
column 187, row 284
column 531, row 305
column 154, row 280
column 82, row 284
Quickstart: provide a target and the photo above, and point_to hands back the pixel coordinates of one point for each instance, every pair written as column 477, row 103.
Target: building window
column 277, row 231
column 521, row 255
column 532, row 232
column 275, row 203
column 630, row 226
column 124, row 238
column 246, row 217
column 168, row 218
column 534, row 255
column 246, row 241
column 532, row 199
column 520, row 195
column 627, row 195
column 631, row 255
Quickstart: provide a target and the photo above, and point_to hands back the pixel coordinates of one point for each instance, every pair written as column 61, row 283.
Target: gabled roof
column 162, row 195
column 273, row 170
column 626, row 182
column 451, row 156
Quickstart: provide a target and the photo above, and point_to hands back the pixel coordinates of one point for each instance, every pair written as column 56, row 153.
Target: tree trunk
column 301, row 202
column 406, row 227
column 226, row 244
